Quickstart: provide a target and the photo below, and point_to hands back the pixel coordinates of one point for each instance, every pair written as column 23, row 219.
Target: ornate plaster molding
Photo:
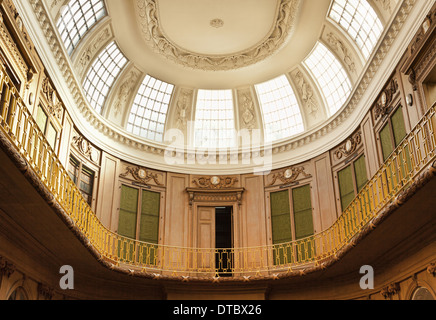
column 142, row 175
column 247, row 113
column 148, row 18
column 289, row 175
column 383, row 105
column 342, row 51
column 120, row 136
column 349, row 146
column 215, row 182
column 86, row 149
column 307, row 95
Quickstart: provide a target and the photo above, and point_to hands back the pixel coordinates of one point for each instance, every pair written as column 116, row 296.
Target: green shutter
column 386, row 142
column 281, row 227
column 149, row 224
column 346, row 187
column 361, row 174
column 281, row 217
column 398, row 126
column 128, row 212
column 303, row 217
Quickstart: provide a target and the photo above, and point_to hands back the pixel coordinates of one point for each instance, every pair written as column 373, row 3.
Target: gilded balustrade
column 412, row 156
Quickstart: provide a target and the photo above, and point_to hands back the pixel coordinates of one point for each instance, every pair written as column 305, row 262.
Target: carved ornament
column 306, row 94
column 184, row 108
column 55, row 106
column 45, row 291
column 349, row 146
column 148, row 15
column 383, row 107
column 431, row 269
column 389, row 291
column 289, row 175
column 6, row 268
column 247, row 113
column 142, row 175
column 342, row 50
column 215, row 182
column 219, row 195
column 85, row 148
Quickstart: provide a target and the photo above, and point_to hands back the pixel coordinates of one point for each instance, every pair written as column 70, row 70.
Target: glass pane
column 331, row 77
column 102, row 75
column 77, row 17
column 149, row 111
column 398, row 126
column 280, row 109
column 52, row 135
column 41, row 119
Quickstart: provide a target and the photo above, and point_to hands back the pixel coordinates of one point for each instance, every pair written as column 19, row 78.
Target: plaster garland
column 118, row 135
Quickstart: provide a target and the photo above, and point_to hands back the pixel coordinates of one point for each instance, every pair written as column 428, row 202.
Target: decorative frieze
column 283, row 27
column 389, row 291
column 289, row 175
column 54, row 105
column 306, row 94
column 215, row 196
column 142, row 176
column 383, row 105
column 349, row 147
column 183, row 108
column 215, row 182
column 85, row 148
column 247, row 113
column 342, row 51
column 6, row 268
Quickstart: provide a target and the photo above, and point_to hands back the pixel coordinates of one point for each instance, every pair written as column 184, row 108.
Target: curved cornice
column 284, row 26
column 135, row 149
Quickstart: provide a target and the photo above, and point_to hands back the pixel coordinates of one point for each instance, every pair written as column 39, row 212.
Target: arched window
column 102, row 75
column 77, row 17
column 215, row 119
column 149, row 111
column 361, row 22
column 18, row 294
column 422, row 293
column 281, row 112
column 330, row 76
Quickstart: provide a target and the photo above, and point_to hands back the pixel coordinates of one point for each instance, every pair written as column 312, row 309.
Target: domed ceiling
column 285, row 71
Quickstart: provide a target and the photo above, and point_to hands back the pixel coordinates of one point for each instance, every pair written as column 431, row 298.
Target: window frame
column 84, row 165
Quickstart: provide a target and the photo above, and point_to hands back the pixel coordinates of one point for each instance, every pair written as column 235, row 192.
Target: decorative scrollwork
column 383, row 105
column 142, row 175
column 389, row 291
column 349, row 147
column 215, row 182
column 289, row 175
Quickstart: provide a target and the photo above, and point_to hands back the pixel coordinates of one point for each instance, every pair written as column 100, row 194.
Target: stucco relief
column 307, row 95
column 88, row 54
column 247, row 113
column 148, row 17
column 183, row 109
column 125, row 91
column 342, row 51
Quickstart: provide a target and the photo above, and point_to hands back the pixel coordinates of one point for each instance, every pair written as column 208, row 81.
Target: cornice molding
column 148, row 18
column 121, row 136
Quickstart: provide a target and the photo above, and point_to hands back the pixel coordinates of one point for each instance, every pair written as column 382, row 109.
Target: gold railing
column 412, row 156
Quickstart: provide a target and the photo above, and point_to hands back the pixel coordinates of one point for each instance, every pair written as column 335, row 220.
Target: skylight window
column 214, row 119
column 280, row 109
column 331, row 77
column 102, row 75
column 77, row 17
column 361, row 22
column 149, row 112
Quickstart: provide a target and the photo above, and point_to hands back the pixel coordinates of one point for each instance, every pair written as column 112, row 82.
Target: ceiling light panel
column 331, row 77
column 361, row 22
column 280, row 109
column 77, row 17
column 214, row 119
column 150, row 107
column 102, row 74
